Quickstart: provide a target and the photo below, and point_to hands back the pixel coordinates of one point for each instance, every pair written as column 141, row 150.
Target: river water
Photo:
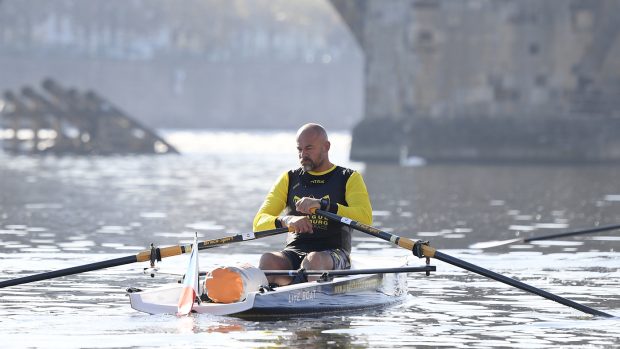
column 58, row 212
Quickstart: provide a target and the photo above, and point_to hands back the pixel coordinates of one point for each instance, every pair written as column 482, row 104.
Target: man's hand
column 304, row 205
column 300, row 224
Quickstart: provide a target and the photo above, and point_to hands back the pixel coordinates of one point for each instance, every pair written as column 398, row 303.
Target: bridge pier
column 517, row 81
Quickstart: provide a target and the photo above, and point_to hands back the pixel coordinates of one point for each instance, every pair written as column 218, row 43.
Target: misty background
column 191, row 64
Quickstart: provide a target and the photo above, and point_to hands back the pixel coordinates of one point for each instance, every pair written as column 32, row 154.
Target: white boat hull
column 341, row 294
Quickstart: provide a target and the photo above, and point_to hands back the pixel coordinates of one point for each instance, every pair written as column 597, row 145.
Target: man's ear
column 327, row 145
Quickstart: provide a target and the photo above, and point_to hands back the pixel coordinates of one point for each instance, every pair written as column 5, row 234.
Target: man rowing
column 314, row 242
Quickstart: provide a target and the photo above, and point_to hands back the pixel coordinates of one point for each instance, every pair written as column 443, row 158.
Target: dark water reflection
column 61, row 212
column 478, row 203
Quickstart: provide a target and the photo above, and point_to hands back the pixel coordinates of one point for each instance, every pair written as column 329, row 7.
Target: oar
column 146, row 255
column 496, row 243
column 422, row 249
column 343, row 272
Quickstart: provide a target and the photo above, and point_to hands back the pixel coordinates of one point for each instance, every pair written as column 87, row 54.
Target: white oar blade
column 494, row 243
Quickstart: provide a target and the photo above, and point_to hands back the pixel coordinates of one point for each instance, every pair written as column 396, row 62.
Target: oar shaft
column 203, row 245
column 512, row 282
column 576, row 232
column 142, row 256
column 353, row 271
column 428, row 251
column 397, row 240
column 69, row 271
column 240, row 237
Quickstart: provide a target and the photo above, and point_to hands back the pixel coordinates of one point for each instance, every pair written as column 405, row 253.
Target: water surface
column 58, row 212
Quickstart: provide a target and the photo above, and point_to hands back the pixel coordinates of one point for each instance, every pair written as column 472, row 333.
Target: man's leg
column 276, row 261
column 321, row 260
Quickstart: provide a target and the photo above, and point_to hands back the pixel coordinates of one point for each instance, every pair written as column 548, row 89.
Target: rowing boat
column 330, row 294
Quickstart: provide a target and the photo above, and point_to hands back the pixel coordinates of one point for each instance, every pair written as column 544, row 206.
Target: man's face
column 311, row 149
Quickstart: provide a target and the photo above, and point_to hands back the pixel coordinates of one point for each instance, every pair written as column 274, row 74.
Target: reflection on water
column 478, row 203
column 62, row 212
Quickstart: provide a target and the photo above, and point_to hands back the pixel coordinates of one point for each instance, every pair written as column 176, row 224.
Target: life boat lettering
column 301, row 296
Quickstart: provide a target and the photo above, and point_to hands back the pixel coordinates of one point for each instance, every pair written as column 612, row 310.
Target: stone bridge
column 474, row 80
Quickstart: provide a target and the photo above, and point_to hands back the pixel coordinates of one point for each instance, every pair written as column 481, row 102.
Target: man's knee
column 318, row 260
column 273, row 261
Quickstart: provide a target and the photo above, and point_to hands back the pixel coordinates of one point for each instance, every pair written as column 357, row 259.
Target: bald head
column 313, row 148
column 312, row 130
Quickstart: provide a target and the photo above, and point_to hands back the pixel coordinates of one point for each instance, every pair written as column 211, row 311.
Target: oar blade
column 494, row 243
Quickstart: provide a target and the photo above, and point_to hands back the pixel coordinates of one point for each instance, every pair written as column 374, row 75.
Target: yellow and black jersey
column 343, row 188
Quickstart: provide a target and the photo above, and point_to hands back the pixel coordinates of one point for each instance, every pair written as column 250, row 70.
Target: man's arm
column 273, row 205
column 267, row 216
column 358, row 200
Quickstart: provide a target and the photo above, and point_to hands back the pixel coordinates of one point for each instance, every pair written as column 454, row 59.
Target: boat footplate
column 300, row 277
column 325, row 277
column 268, row 288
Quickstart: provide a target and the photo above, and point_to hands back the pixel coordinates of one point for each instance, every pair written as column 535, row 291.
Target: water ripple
column 61, row 212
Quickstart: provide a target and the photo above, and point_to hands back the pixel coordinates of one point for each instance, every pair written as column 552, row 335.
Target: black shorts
column 339, row 257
